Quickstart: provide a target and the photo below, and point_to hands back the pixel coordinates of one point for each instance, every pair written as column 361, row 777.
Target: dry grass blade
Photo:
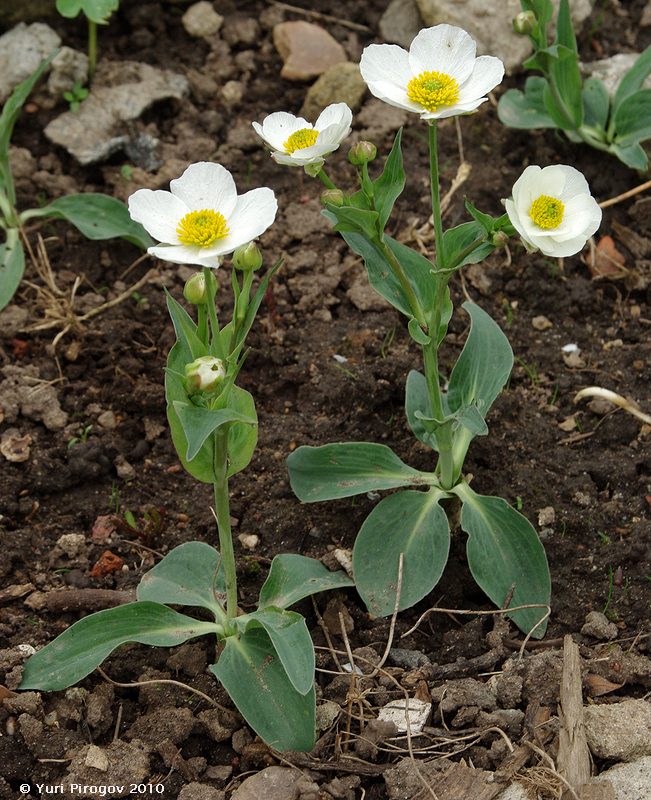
column 616, row 399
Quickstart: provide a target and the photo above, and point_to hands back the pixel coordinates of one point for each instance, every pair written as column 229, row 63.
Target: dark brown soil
column 595, row 473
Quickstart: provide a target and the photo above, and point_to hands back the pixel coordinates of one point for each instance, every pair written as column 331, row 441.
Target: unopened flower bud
column 204, row 374
column 312, row 170
column 362, row 153
column 247, row 257
column 194, row 290
column 500, row 239
column 334, row 197
column 525, row 22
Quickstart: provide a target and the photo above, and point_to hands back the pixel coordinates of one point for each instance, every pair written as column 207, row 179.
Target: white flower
column 438, row 77
column 552, row 210
column 297, row 143
column 202, row 218
column 204, row 374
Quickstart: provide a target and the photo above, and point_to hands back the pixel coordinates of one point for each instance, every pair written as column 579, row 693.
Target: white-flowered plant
column 552, row 210
column 439, row 77
column 297, row 143
column 202, row 218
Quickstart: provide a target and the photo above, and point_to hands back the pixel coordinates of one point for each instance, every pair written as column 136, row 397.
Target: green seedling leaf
column 349, row 219
column 458, row 240
column 12, row 266
column 84, row 645
column 242, row 436
column 189, row 575
column 419, row 407
column 634, row 79
column 596, row 104
column 97, row 11
column 526, row 110
column 200, row 423
column 251, row 672
column 471, row 419
column 417, row 333
column 633, row 119
column 634, row 156
column 485, row 220
column 334, row 471
column 414, row 524
column 565, row 104
column 293, row 577
column 291, row 641
column 97, row 216
column 186, row 333
column 503, row 551
column 389, row 186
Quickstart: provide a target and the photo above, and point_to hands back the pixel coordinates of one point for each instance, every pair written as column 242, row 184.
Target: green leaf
column 632, row 120
column 97, row 11
column 596, row 104
column 186, row 333
column 191, row 574
column 417, row 333
column 254, row 305
column 484, row 365
column 564, row 29
column 252, row 674
column 388, row 187
column 293, row 577
column 199, row 423
column 291, row 640
column 242, row 436
column 97, row 216
column 485, row 220
column 354, row 220
column 634, row 156
column 634, row 79
column 419, row 407
column 457, row 241
column 414, row 524
column 504, row 550
column 84, row 645
column 565, row 105
column 525, row 110
column 334, row 471
column 12, row 266
column 470, row 418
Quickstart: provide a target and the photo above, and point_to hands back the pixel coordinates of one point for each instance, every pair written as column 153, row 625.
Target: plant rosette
column 439, row 77
column 202, row 218
column 552, row 210
column 297, row 143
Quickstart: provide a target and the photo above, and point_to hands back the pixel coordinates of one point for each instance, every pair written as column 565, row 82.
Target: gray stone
column 307, row 50
column 514, row 791
column 629, row 781
column 275, row 783
column 621, row 731
column 124, row 763
column 202, row 20
column 21, row 51
column 490, row 24
column 200, row 791
column 69, row 67
column 401, row 22
column 13, row 318
column 377, row 119
column 612, row 70
column 407, row 659
column 23, row 392
column 598, row 626
column 342, row 83
column 122, row 91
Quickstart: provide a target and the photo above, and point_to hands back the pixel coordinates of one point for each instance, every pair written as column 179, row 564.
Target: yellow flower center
column 431, row 90
column 547, row 212
column 299, row 140
column 202, row 228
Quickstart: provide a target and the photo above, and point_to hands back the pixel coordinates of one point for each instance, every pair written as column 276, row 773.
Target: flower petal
column 486, row 74
column 278, row 127
column 575, row 182
column 570, row 247
column 515, row 220
column 453, row 111
column 206, row 185
column 336, row 114
column 254, row 212
column 582, row 216
column 393, row 95
column 159, row 212
column 443, row 48
column 177, row 253
column 385, row 63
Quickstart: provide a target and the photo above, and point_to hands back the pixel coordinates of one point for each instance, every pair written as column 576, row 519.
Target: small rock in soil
column 405, row 780
column 126, row 763
column 13, row 318
column 23, row 392
column 202, row 20
column 612, row 70
column 168, row 722
column 598, row 626
column 542, row 676
column 377, row 119
column 414, row 716
column 189, row 658
column 619, row 732
column 14, row 446
column 275, row 783
column 327, row 713
column 629, row 781
column 69, row 67
column 200, row 791
column 456, row 694
column 99, row 708
column 21, row 51
column 220, row 726
column 241, row 30
column 364, row 297
column 342, row 83
column 407, row 659
column 401, row 22
column 307, row 50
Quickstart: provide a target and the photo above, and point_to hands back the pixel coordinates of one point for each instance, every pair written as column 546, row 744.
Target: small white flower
column 553, row 211
column 297, row 143
column 202, row 218
column 438, row 77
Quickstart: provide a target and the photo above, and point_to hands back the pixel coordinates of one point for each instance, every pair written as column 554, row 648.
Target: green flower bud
column 334, row 197
column 204, row 374
column 361, row 153
column 500, row 239
column 525, row 22
column 248, row 256
column 194, row 290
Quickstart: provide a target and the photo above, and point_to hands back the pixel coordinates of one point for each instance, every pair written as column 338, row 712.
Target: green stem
column 325, row 180
column 223, row 514
column 92, row 50
column 407, row 288
column 211, row 291
column 436, row 197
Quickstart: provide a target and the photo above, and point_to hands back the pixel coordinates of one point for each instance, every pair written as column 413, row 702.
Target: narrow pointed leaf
column 242, row 436
column 634, row 79
column 414, row 524
column 186, row 331
column 84, row 645
column 251, row 672
column 388, row 187
column 12, row 266
column 596, row 103
column 457, row 240
column 189, row 575
column 633, row 119
column 504, row 550
column 634, row 156
column 199, row 423
column 343, row 470
column 293, row 577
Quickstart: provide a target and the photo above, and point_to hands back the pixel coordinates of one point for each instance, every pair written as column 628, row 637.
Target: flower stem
column 223, row 515
column 325, row 180
column 211, row 291
column 405, row 283
column 92, row 50
column 436, row 197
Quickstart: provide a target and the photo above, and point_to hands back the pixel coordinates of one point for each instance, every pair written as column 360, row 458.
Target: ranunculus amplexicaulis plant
column 266, row 656
column 552, row 209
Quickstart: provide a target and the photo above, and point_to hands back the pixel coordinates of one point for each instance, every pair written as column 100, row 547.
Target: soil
column 583, row 470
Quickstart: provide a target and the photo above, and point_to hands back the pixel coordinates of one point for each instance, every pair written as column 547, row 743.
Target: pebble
column 69, row 67
column 72, row 544
column 249, row 540
column 546, row 516
column 275, row 783
column 107, row 420
column 629, row 781
column 14, row 446
column 541, row 323
column 307, row 50
column 125, row 471
column 401, row 22
column 202, row 20
column 407, row 659
column 342, row 83
column 413, row 715
column 21, row 51
column 620, row 731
